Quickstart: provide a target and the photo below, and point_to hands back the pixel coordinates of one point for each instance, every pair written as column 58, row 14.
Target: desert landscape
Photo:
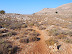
column 48, row 31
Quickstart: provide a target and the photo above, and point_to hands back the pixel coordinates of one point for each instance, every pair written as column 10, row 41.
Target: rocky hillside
column 48, row 31
column 63, row 9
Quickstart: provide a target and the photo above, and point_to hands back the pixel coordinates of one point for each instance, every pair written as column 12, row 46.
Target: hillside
column 45, row 32
column 63, row 9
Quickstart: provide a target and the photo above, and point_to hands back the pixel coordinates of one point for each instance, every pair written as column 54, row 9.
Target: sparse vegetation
column 70, row 33
column 30, row 35
column 24, row 30
column 9, row 23
column 6, row 47
column 54, row 32
column 61, row 36
column 42, row 27
column 68, row 40
column 51, row 41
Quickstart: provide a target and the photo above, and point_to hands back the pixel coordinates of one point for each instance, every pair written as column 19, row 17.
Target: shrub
column 15, row 26
column 3, row 30
column 42, row 27
column 54, row 32
column 24, row 40
column 6, row 34
column 34, row 39
column 10, row 24
column 68, row 40
column 24, row 26
column 31, row 24
column 7, row 48
column 64, row 32
column 2, row 12
column 14, row 33
column 51, row 41
column 70, row 33
column 34, row 34
column 61, row 36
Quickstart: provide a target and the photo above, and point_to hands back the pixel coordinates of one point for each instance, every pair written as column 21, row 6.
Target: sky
column 29, row 6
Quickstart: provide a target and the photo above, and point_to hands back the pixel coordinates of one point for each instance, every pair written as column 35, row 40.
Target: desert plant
column 14, row 33
column 54, row 32
column 68, row 40
column 24, row 40
column 24, row 26
column 31, row 24
column 70, row 33
column 42, row 27
column 7, row 48
column 51, row 41
column 62, row 36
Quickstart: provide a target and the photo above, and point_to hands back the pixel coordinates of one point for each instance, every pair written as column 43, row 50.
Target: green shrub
column 2, row 12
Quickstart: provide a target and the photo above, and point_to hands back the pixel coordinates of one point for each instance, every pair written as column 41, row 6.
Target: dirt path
column 40, row 46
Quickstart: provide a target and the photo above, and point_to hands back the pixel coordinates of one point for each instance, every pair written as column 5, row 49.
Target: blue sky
column 29, row 6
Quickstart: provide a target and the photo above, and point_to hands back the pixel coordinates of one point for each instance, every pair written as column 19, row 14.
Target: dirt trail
column 40, row 46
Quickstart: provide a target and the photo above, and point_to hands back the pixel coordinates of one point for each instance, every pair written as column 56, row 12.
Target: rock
column 54, row 47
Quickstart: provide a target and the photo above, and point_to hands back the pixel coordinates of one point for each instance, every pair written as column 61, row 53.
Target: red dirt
column 40, row 46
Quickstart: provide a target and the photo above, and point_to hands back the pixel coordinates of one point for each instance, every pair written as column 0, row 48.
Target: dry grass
column 61, row 36
column 51, row 41
column 68, row 40
column 54, row 32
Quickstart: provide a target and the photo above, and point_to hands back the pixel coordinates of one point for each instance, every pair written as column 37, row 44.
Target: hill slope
column 63, row 9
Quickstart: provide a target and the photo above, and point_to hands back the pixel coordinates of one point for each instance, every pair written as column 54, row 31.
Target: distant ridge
column 63, row 9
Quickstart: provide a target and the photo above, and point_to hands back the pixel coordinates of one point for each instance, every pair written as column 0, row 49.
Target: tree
column 2, row 12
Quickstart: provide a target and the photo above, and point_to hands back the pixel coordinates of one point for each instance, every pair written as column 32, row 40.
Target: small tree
column 2, row 12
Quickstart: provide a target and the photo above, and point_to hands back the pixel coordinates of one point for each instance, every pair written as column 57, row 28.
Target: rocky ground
column 39, row 33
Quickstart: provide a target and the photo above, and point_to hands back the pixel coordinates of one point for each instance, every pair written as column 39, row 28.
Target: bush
column 51, row 41
column 24, row 40
column 54, row 32
column 24, row 26
column 14, row 33
column 68, row 41
column 70, row 33
column 7, row 48
column 10, row 24
column 6, row 34
column 61, row 36
column 2, row 12
column 42, row 27
column 31, row 24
